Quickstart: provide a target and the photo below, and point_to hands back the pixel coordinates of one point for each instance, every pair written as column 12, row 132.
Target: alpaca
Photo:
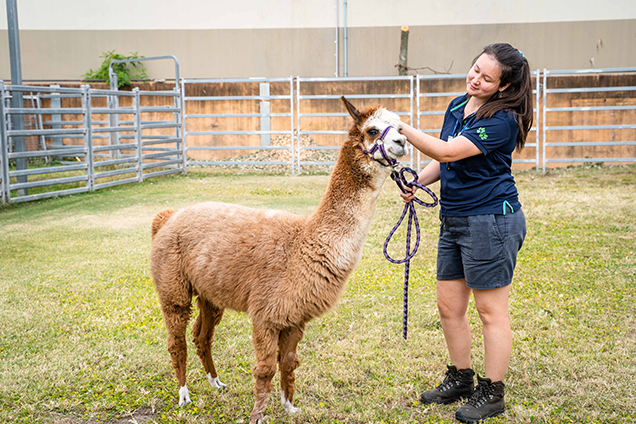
column 281, row 269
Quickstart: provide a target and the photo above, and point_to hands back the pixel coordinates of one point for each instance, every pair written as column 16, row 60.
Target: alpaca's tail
column 160, row 219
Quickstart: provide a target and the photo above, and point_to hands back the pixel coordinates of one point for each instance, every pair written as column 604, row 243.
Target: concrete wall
column 274, row 38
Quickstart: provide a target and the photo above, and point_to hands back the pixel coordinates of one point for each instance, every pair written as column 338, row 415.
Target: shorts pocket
column 486, row 240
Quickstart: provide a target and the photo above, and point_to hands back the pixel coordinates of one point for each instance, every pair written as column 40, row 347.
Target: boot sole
column 469, row 420
column 444, row 401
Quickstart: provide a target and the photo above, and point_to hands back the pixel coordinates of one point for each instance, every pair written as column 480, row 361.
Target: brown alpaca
column 282, row 269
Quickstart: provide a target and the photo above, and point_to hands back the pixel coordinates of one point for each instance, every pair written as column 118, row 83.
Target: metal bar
column 161, row 141
column 46, row 133
column 5, row 193
column 49, row 194
column 590, row 89
column 113, row 129
column 159, row 93
column 239, row 148
column 159, row 155
column 354, row 96
column 49, row 170
column 88, row 138
column 61, row 152
column 45, row 183
column 111, row 162
column 237, row 115
column 184, row 140
column 238, row 132
column 298, row 130
column 116, row 147
column 593, row 144
column 561, row 160
column 219, row 98
column 139, row 152
column 162, row 164
column 544, row 121
column 591, row 127
column 589, row 108
column 590, row 71
column 19, row 88
column 291, row 120
column 116, row 172
column 232, row 80
column 115, row 183
column 538, row 124
column 27, row 111
column 161, row 173
column 160, row 125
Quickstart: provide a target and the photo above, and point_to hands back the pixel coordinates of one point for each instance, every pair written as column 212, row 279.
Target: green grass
column 82, row 338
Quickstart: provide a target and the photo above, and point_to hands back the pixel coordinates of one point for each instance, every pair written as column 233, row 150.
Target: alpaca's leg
column 265, row 341
column 203, row 332
column 176, row 318
column 288, row 361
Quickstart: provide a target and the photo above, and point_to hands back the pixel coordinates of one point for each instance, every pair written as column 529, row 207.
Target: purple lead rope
column 402, row 182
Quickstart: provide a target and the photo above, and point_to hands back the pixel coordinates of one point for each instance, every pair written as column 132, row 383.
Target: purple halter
column 380, row 146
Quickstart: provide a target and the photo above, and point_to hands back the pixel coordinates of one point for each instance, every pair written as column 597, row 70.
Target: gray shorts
column 480, row 248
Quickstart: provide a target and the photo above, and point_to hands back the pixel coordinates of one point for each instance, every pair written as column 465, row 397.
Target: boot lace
column 482, row 394
column 452, row 380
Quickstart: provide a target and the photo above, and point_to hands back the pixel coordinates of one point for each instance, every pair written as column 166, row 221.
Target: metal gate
column 98, row 139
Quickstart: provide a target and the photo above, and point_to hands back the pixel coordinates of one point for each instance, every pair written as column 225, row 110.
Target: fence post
column 4, row 157
column 88, row 137
column 265, row 114
column 297, row 128
column 138, row 139
column 543, row 121
column 539, row 120
column 184, row 129
column 291, row 116
column 56, row 118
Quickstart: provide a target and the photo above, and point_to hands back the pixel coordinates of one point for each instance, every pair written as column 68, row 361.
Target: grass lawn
column 82, row 338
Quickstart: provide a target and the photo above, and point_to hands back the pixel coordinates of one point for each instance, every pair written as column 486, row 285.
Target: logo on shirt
column 482, row 133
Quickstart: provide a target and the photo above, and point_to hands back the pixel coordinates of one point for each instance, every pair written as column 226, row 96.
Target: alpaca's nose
column 401, row 140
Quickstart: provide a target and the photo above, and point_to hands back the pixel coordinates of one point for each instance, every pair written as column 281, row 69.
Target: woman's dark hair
column 518, row 96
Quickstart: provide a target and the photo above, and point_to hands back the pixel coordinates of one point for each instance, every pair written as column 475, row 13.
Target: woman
column 482, row 224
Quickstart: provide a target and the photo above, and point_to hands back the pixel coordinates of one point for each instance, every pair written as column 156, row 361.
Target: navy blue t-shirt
column 481, row 184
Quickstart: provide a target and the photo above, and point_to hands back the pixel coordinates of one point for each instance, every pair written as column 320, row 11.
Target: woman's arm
column 458, row 148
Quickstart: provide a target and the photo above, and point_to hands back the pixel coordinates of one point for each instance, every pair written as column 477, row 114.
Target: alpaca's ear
column 355, row 113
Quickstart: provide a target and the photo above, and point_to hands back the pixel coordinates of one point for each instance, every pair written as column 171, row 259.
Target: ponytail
column 517, row 98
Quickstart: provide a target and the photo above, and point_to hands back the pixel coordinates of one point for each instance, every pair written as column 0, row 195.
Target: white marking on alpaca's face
column 394, row 143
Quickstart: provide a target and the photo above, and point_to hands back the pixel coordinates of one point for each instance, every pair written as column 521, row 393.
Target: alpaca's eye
column 372, row 132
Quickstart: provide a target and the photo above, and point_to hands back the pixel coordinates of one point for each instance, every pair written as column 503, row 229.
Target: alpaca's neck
column 346, row 209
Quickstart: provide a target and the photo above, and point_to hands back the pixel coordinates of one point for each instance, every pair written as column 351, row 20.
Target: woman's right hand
column 409, row 195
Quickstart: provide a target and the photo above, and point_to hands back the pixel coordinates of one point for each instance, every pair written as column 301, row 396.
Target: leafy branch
column 125, row 74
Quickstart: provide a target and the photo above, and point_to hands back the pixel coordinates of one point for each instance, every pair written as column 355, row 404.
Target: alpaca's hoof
column 215, row 382
column 184, row 396
column 288, row 405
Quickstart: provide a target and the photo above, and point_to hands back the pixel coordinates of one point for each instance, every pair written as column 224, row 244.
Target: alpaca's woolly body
column 279, row 268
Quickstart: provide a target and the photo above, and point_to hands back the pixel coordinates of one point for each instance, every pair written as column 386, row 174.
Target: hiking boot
column 487, row 401
column 456, row 385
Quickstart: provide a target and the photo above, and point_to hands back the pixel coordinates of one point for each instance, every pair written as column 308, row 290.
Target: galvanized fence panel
column 258, row 112
column 431, row 104
column 87, row 153
column 576, row 134
column 316, row 94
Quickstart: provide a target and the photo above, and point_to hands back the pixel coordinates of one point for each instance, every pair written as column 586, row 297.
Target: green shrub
column 124, row 73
